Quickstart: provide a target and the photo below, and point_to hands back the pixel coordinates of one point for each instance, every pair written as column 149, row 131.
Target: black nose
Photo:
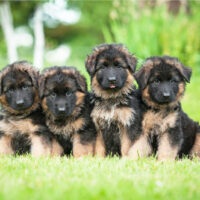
column 166, row 94
column 20, row 102
column 112, row 80
column 61, row 110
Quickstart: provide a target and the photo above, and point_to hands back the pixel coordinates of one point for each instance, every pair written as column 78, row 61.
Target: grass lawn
column 26, row 178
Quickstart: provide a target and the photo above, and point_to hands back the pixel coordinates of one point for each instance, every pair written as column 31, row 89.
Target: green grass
column 190, row 102
column 91, row 178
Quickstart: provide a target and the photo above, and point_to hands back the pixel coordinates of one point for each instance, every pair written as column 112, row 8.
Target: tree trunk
column 39, row 38
column 8, row 31
column 172, row 5
column 175, row 5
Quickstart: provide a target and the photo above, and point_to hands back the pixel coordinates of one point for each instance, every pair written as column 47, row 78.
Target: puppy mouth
column 112, row 86
column 165, row 102
column 21, row 108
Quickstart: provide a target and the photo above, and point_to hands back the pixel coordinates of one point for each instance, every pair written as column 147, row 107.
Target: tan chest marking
column 22, row 126
column 69, row 129
column 158, row 122
column 123, row 115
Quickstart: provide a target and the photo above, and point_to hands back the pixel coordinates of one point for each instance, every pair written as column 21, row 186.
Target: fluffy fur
column 116, row 111
column 167, row 130
column 22, row 125
column 66, row 104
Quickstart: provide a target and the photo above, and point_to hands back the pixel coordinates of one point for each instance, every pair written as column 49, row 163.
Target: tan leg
column 80, row 150
column 100, row 150
column 141, row 148
column 125, row 143
column 39, row 147
column 195, row 151
column 5, row 145
column 57, row 149
column 165, row 150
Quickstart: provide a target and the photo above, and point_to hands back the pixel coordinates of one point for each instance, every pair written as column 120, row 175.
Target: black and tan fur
column 116, row 110
column 167, row 130
column 22, row 127
column 67, row 106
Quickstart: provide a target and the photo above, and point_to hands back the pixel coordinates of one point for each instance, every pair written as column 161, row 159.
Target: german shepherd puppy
column 166, row 128
column 116, row 111
column 66, row 103
column 22, row 125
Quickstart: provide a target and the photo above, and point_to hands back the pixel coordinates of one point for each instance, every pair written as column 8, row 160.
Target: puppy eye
column 117, row 64
column 103, row 66
column 68, row 93
column 156, row 81
column 53, row 94
column 11, row 90
column 25, row 87
column 172, row 80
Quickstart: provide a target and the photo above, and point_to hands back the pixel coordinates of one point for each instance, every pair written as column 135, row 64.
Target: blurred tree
column 173, row 6
column 7, row 27
column 39, row 37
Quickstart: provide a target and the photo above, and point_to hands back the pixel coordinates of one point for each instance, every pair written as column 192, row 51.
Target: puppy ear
column 34, row 74
column 41, row 83
column 186, row 72
column 142, row 78
column 29, row 69
column 90, row 64
column 143, row 74
column 81, row 81
column 132, row 62
column 1, row 89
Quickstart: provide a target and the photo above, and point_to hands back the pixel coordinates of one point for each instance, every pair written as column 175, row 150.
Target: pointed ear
column 1, row 86
column 34, row 74
column 142, row 77
column 132, row 62
column 186, row 72
column 42, row 81
column 90, row 63
column 81, row 81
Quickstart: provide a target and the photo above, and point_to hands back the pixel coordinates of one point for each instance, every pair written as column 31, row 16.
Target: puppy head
column 162, row 80
column 19, row 88
column 110, row 66
column 62, row 90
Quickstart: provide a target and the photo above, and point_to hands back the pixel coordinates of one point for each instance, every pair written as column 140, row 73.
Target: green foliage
column 191, row 99
column 155, row 31
column 90, row 178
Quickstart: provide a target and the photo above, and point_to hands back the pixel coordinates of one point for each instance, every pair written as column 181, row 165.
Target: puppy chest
column 68, row 129
column 25, row 126
column 158, row 122
column 105, row 116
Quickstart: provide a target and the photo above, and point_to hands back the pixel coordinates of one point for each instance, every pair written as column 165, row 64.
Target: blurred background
column 63, row 32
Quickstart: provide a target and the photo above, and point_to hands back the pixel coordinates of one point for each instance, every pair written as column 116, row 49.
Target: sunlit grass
column 91, row 178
